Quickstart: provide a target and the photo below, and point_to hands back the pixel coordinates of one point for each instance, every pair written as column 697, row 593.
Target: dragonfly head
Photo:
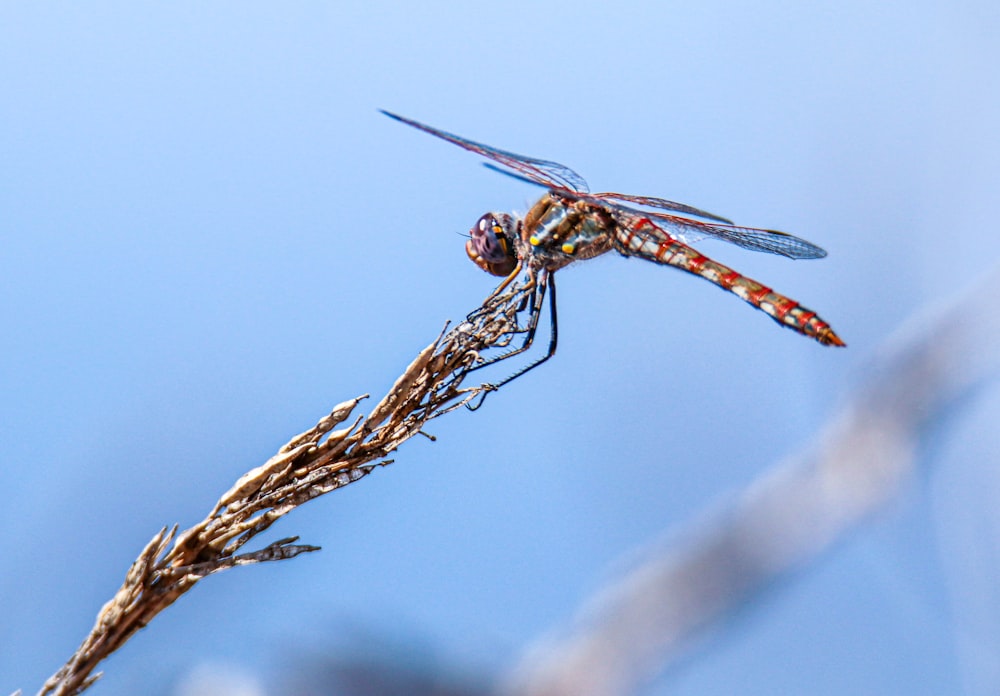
column 491, row 244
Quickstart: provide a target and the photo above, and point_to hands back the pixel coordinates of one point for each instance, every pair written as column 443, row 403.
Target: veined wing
column 543, row 172
column 614, row 198
column 769, row 241
column 661, row 203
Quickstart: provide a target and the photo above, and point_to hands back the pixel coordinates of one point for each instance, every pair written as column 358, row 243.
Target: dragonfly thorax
column 560, row 229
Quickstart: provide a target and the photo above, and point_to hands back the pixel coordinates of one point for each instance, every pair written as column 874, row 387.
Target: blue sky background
column 208, row 237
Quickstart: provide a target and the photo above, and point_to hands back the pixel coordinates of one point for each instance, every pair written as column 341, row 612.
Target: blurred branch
column 638, row 626
column 312, row 464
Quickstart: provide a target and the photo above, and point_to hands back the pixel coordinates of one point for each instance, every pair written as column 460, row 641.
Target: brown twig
column 316, row 462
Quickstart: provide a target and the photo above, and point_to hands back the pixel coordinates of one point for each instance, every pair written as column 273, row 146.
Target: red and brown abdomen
column 670, row 252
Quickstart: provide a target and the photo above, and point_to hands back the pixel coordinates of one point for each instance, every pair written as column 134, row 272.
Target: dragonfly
column 569, row 224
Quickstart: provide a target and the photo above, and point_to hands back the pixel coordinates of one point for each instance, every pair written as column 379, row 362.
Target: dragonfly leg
column 534, row 299
column 550, row 280
column 506, row 281
column 484, row 307
column 546, row 283
column 528, row 292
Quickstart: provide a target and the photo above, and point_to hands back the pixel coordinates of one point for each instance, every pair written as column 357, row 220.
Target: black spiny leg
column 546, row 283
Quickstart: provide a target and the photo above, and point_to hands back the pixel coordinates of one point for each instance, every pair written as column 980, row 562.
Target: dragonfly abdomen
column 782, row 309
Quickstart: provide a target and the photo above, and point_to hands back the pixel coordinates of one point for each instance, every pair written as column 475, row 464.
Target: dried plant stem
column 316, row 462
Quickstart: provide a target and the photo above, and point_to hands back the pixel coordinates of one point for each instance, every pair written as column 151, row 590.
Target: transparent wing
column 549, row 174
column 661, row 203
column 769, row 241
column 553, row 175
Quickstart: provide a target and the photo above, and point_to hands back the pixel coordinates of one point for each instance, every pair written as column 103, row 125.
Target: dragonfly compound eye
column 490, row 247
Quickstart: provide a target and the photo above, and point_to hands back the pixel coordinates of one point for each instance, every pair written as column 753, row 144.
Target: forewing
column 553, row 175
column 543, row 172
column 661, row 203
